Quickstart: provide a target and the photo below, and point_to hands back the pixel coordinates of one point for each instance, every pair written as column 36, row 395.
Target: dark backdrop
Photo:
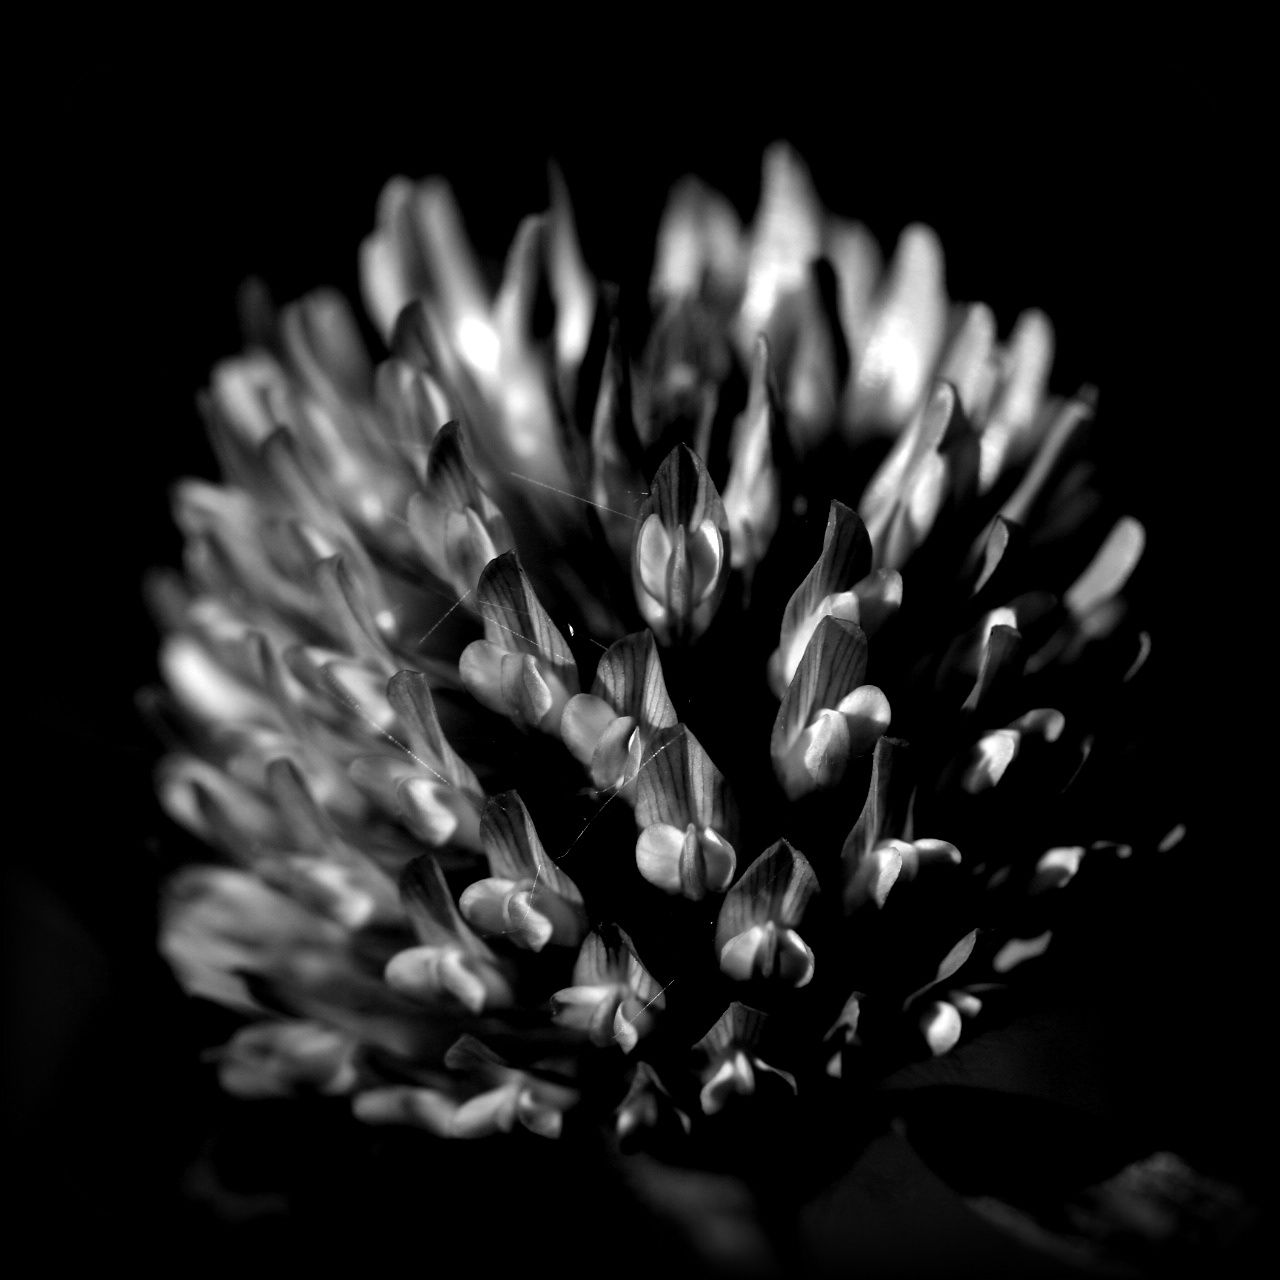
column 1093, row 196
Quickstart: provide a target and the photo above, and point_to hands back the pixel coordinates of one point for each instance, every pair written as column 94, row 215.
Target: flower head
column 629, row 721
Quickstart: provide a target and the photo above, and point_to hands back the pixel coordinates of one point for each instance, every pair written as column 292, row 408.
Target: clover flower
column 630, row 721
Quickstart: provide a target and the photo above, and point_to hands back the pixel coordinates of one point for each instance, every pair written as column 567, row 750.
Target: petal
column 991, row 756
column 1017, row 950
column 585, row 720
column 752, row 493
column 818, row 758
column 879, row 597
column 438, row 814
column 680, row 560
column 491, row 1112
column 515, row 853
column 538, row 1116
column 970, row 362
column 484, row 904
column 903, row 337
column 677, row 783
column 692, row 862
column 569, row 1002
column 617, row 756
column 776, row 888
column 795, row 959
column 717, row 859
column 276, row 1059
column 527, row 923
column 527, row 695
column 204, row 687
column 935, row 852
column 1055, row 868
column 833, row 665
column 941, row 1024
column 1109, row 570
column 480, row 668
column 653, row 557
column 475, row 983
column 629, row 678
column 658, row 853
column 866, row 712
column 731, row 1076
column 428, row 1109
column 875, row 875
column 633, row 1020
column 785, row 239
column 468, row 548
column 844, row 561
column 738, row 956
column 706, row 555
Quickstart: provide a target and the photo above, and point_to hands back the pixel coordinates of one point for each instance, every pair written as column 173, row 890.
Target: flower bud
column 692, row 862
column 680, row 561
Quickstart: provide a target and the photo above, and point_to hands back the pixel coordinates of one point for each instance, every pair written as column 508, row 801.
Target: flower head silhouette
column 645, row 724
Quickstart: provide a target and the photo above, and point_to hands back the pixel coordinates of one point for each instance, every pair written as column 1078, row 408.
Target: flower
column 608, row 723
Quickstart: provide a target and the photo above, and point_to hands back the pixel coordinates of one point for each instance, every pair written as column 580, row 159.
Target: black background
column 1096, row 192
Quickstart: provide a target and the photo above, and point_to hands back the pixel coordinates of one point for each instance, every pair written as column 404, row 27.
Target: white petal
column 905, row 333
column 585, row 719
column 653, row 557
column 480, row 668
column 718, row 859
column 734, row 1075
column 658, row 853
column 204, row 687
column 941, row 1024
column 738, row 955
column 537, row 1116
column 706, row 558
column 866, row 712
column 484, row 904
column 992, row 755
column 876, row 874
column 527, row 694
column 1055, row 868
column 879, row 597
column 486, row 1113
column 1017, row 950
column 402, row 1104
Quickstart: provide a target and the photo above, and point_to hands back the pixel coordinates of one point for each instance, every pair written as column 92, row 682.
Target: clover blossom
column 589, row 719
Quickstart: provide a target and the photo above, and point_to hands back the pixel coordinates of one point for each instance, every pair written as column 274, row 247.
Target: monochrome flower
column 584, row 716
